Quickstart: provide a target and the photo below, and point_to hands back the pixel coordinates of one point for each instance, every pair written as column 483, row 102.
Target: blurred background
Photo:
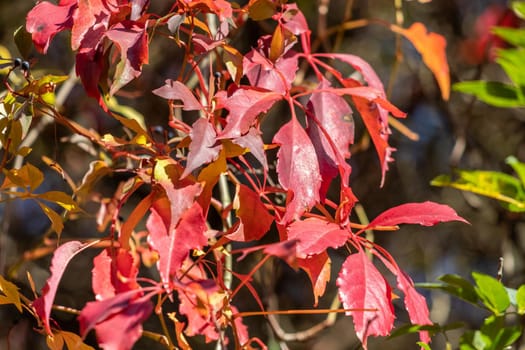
column 459, row 133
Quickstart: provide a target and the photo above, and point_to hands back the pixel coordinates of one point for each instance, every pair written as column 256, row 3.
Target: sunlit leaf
column 520, row 299
column 503, row 187
column 9, row 293
column 432, row 47
column 367, row 295
column 425, row 214
column 60, row 198
column 61, row 258
column 491, row 292
column 491, row 92
column 298, row 169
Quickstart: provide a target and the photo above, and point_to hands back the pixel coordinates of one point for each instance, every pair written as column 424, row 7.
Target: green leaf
column 10, row 293
column 520, row 299
column 503, row 187
column 519, row 8
column 511, row 60
column 496, row 334
column 491, row 292
column 454, row 285
column 493, row 93
column 424, row 345
column 513, row 36
column 518, row 167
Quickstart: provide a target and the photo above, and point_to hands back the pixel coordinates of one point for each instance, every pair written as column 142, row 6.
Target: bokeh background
column 459, row 133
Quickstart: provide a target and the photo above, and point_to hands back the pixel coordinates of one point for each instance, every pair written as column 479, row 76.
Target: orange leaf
column 431, row 46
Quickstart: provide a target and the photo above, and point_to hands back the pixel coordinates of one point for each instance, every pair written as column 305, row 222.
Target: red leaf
column 263, row 73
column 203, row 148
column 89, row 67
column 255, row 220
column 61, row 259
column 292, row 19
column 298, row 169
column 221, row 8
column 132, row 40
column 333, row 127
column 113, row 274
column 46, row 19
column 245, row 104
column 186, row 230
column 361, row 286
column 254, row 142
column 432, row 48
column 425, row 214
column 315, row 236
column 117, row 320
column 317, row 267
column 415, row 304
column 90, row 22
column 175, row 90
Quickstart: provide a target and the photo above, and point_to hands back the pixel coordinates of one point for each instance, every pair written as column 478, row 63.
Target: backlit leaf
column 117, row 321
column 332, row 133
column 432, row 47
column 245, row 105
column 315, row 236
column 203, row 147
column 175, row 230
column 175, row 90
column 518, row 167
column 317, row 267
column 46, row 19
column 57, row 223
column 132, row 40
column 259, row 10
column 60, row 198
column 503, row 187
column 113, row 273
column 491, row 92
column 492, row 293
column 520, row 299
column 61, row 258
column 364, row 291
column 298, row 169
column 415, row 304
column 9, row 293
column 425, row 214
column 253, row 215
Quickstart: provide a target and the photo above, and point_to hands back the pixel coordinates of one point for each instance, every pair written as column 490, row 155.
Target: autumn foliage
column 228, row 147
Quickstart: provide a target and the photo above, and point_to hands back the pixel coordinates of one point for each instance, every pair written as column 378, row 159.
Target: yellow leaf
column 60, row 198
column 11, row 295
column 56, row 220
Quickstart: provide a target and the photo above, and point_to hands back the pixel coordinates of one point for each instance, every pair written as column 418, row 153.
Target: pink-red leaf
column 245, row 104
column 362, row 287
column 315, row 236
column 46, row 19
column 255, row 220
column 265, row 74
column 132, row 40
column 254, row 142
column 415, row 304
column 175, row 90
column 203, row 147
column 185, row 231
column 117, row 321
column 113, row 274
column 331, row 133
column 298, row 169
column 61, row 259
column 425, row 214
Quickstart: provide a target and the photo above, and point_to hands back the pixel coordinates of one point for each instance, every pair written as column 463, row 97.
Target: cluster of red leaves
column 308, row 160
